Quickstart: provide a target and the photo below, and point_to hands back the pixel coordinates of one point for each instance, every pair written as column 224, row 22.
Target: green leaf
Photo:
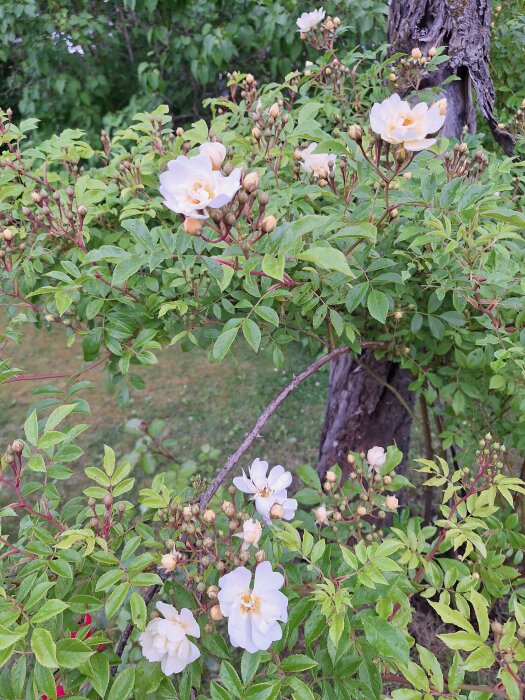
column 72, row 653
column 480, row 605
column 252, row 333
column 297, row 663
column 218, row 692
column 267, row 314
column 31, row 429
column 224, row 342
column 123, row 685
column 139, row 613
column 309, row 476
column 126, row 268
column 451, row 616
column 327, row 258
column 273, row 266
column 455, row 673
column 479, row 659
column 377, row 304
column 300, row 690
column 249, row 665
column 58, row 415
column 100, row 673
column 44, row 648
column 51, row 608
column 386, row 639
column 116, row 599
column 230, row 679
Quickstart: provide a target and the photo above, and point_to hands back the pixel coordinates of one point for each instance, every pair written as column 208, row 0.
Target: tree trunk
column 463, row 27
column 362, row 411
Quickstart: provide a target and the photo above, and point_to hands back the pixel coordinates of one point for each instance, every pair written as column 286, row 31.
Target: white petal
column 258, row 471
column 419, row 145
column 244, row 484
column 279, row 478
column 266, row 579
column 189, row 623
column 166, row 610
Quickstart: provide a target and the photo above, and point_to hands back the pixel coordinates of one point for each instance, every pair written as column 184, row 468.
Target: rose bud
column 277, row 511
column 209, row 515
column 192, row 226
column 215, row 613
column 251, row 182
column 269, row 223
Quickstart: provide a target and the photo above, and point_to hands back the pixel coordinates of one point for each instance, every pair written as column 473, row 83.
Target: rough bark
column 362, row 411
column 463, row 27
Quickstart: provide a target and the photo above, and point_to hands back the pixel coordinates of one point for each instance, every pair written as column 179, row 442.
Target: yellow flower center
column 250, row 604
column 264, row 491
column 200, row 188
column 407, row 121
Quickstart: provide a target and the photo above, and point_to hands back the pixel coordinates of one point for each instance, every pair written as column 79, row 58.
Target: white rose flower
column 316, row 162
column 215, row 151
column 376, row 457
column 399, row 123
column 253, row 614
column 189, row 185
column 251, row 533
column 322, row 515
column 166, row 640
column 309, row 20
column 267, row 490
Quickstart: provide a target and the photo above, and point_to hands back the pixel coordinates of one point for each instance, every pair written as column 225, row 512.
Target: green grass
column 202, row 403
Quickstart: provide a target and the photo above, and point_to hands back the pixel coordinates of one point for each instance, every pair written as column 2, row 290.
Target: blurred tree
column 92, row 64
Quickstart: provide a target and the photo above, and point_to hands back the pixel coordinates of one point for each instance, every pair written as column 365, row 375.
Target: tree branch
column 262, row 420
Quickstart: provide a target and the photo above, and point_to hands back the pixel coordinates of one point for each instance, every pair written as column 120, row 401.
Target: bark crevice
column 362, row 411
column 463, row 27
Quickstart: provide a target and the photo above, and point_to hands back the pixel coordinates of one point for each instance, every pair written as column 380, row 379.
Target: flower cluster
column 396, row 122
column 192, row 186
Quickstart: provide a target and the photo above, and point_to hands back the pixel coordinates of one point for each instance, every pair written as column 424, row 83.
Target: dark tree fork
column 363, row 407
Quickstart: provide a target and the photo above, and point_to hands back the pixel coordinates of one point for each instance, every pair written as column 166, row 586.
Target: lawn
column 202, row 402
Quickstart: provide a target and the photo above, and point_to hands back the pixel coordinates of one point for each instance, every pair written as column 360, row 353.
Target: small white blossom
column 251, row 533
column 190, row 185
column 376, row 457
column 215, row 151
column 253, row 613
column 309, row 20
column 267, row 490
column 399, row 123
column 316, row 163
column 322, row 515
column 165, row 639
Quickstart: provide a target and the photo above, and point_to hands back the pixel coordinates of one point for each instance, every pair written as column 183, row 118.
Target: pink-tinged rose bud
column 391, row 502
column 277, row 511
column 416, row 54
column 442, row 106
column 256, row 133
column 250, row 79
column 269, row 224
column 17, row 446
column 432, row 51
column 8, row 235
column 274, row 110
column 209, row 515
column 192, row 226
column 215, row 613
column 361, row 510
column 168, row 562
column 251, row 182
column 331, row 476
column 260, row 555
column 321, row 515
column 215, row 151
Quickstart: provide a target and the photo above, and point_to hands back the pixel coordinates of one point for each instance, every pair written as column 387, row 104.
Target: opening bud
column 192, row 226
column 416, row 54
column 215, row 613
column 277, row 511
column 251, row 182
column 269, row 224
column 355, row 132
column 168, row 562
column 274, row 110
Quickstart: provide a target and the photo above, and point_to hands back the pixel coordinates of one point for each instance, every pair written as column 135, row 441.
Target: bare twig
column 262, row 420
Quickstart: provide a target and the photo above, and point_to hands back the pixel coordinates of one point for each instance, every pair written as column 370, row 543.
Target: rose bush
column 318, row 211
